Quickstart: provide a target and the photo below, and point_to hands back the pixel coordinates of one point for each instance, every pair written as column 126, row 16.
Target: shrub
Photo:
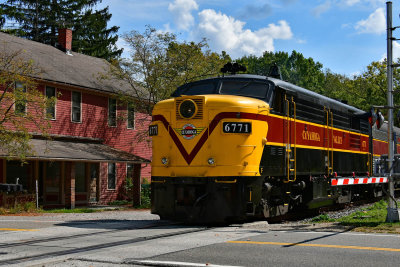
column 30, row 207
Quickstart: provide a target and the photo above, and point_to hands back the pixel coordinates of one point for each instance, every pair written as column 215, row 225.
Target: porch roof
column 67, row 150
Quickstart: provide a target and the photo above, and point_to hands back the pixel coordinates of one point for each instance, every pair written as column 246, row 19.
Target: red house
column 93, row 146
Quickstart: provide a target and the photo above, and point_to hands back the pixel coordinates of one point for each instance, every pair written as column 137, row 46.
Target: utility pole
column 392, row 211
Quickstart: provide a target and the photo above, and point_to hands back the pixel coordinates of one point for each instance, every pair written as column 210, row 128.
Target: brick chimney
column 65, row 40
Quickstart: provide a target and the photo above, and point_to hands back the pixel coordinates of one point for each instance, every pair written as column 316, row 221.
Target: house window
column 51, row 108
column 20, row 98
column 76, row 106
column 111, row 176
column 112, row 112
column 131, row 116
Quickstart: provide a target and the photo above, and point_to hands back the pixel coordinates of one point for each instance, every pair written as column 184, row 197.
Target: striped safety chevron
column 360, row 180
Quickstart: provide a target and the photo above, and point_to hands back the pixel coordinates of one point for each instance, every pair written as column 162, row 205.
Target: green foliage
column 3, row 211
column 29, row 207
column 322, row 218
column 119, row 203
column 93, row 38
column 19, row 91
column 145, row 197
column 78, row 210
column 371, row 216
column 296, row 69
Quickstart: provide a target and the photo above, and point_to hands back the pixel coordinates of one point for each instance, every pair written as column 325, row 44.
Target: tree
column 159, row 63
column 22, row 106
column 93, row 38
column 296, row 69
column 39, row 20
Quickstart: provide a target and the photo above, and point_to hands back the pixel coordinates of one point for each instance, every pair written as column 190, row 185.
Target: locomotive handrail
column 225, row 182
column 289, row 145
column 331, row 113
column 161, row 181
column 294, row 145
column 329, row 137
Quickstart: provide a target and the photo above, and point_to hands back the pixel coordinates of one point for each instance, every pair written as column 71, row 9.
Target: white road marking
column 177, row 263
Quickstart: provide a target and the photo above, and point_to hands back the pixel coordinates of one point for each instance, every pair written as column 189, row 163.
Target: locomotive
column 245, row 146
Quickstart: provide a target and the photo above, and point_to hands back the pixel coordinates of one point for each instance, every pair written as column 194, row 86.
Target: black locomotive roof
column 297, row 90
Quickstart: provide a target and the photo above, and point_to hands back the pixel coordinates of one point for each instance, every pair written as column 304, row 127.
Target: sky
column 344, row 35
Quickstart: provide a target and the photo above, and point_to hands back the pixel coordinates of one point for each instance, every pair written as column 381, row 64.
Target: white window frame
column 115, row 176
column 80, row 107
column 55, row 104
column 108, row 112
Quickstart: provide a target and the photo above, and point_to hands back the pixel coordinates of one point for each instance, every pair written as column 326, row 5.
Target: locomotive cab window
column 249, row 88
column 203, row 88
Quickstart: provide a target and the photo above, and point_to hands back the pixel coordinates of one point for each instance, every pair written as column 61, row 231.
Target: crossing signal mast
column 392, row 211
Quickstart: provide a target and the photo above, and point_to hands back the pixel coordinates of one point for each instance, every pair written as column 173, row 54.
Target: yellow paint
column 13, row 229
column 235, row 155
column 225, row 182
column 315, row 245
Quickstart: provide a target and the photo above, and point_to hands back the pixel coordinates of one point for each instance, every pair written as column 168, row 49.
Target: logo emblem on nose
column 189, row 131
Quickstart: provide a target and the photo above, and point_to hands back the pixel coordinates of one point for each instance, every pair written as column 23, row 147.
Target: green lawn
column 370, row 219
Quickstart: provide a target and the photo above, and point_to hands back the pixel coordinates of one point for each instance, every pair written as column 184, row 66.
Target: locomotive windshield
column 240, row 87
column 246, row 88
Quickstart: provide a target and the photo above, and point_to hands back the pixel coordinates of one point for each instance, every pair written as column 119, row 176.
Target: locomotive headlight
column 187, row 109
column 164, row 161
column 211, row 161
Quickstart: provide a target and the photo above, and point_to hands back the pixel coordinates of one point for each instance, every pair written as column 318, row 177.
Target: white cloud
column 317, row 11
column 350, row 2
column 181, row 9
column 396, row 51
column 228, row 34
column 375, row 23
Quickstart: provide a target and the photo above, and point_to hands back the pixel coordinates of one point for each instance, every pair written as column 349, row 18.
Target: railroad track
column 68, row 251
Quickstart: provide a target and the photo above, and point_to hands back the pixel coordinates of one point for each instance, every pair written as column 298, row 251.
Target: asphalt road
column 139, row 238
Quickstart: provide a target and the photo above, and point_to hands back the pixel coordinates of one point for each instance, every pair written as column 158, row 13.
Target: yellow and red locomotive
column 229, row 148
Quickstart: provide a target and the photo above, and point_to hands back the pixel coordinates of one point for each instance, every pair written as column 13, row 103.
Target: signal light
column 379, row 119
column 372, row 117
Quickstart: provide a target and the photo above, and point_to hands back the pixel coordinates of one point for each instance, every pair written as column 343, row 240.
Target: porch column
column 70, row 185
column 136, row 184
column 36, row 182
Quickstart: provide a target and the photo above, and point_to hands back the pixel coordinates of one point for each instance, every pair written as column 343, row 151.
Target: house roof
column 74, row 69
column 69, row 150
